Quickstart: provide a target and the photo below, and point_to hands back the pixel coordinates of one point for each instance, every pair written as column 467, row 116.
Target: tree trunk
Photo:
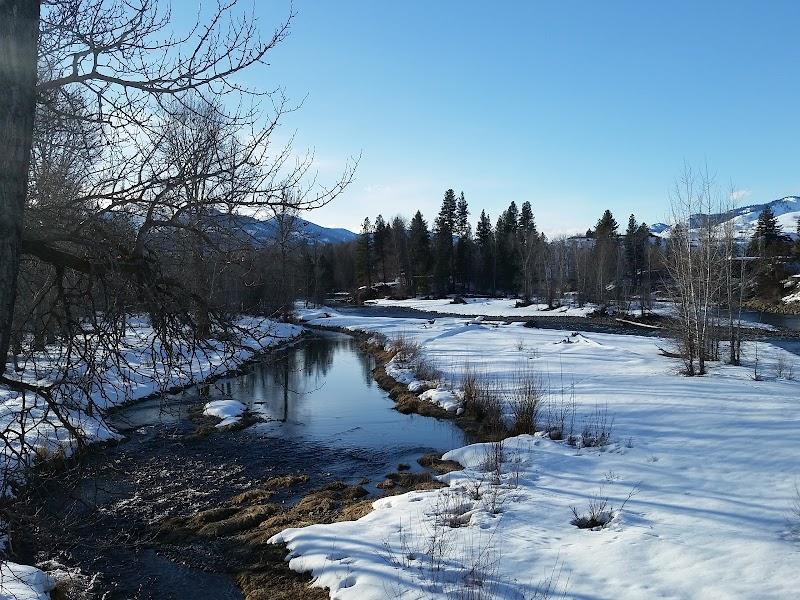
column 19, row 34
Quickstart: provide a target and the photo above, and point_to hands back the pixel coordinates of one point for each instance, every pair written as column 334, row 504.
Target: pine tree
column 400, row 250
column 364, row 253
column 463, row 251
column 605, row 255
column 768, row 238
column 526, row 220
column 419, row 251
column 485, row 239
column 444, row 230
column 606, row 225
column 527, row 250
column 462, row 216
column 631, row 250
column 380, row 241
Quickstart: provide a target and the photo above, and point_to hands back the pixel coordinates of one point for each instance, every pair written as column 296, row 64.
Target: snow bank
column 228, row 411
column 489, row 307
column 710, row 465
column 35, row 431
column 443, row 397
column 21, row 582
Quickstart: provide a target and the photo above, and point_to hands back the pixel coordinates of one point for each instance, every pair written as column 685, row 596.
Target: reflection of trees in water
column 318, row 356
column 367, row 362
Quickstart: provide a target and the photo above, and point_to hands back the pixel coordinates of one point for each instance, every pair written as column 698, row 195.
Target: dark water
column 324, row 415
column 791, row 322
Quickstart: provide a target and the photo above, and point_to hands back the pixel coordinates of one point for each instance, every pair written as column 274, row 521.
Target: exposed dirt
column 244, row 525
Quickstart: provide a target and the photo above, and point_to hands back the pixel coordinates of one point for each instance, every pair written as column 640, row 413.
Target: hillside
column 744, row 219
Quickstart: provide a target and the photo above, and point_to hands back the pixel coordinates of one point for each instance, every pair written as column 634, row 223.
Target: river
column 323, row 415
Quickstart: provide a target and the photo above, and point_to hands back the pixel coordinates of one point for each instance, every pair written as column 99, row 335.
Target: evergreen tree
column 444, row 230
column 364, row 253
column 527, row 251
column 463, row 251
column 526, row 220
column 768, row 243
column 606, row 225
column 631, row 249
column 462, row 216
column 400, row 250
column 485, row 240
column 768, row 239
column 380, row 241
column 605, row 256
column 419, row 251
column 506, row 248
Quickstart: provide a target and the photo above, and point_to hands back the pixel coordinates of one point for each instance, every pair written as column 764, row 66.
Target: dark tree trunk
column 19, row 34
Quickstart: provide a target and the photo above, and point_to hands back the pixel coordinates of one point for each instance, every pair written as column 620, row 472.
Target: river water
column 323, row 416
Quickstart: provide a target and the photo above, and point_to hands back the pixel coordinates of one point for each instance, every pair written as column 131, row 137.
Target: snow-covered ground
column 228, row 411
column 710, row 464
column 30, row 430
column 489, row 307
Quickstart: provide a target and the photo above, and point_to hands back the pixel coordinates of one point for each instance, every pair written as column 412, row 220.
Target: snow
column 137, row 377
column 744, row 219
column 710, row 465
column 21, row 582
column 488, row 307
column 443, row 397
column 793, row 297
column 228, row 411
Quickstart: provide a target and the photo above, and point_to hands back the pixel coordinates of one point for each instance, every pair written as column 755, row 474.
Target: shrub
column 599, row 513
column 425, row 370
column 526, row 402
column 406, row 350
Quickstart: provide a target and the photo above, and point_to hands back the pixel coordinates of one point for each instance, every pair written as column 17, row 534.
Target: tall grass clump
column 526, row 398
column 483, row 401
column 406, row 350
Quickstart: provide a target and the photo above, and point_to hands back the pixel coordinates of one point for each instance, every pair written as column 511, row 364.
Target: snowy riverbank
column 699, row 478
column 31, row 431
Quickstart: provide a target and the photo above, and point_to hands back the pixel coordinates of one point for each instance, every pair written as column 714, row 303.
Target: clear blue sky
column 574, row 106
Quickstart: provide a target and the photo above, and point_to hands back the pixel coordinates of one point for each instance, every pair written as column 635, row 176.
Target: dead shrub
column 526, row 400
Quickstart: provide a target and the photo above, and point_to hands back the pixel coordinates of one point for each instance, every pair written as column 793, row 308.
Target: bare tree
column 146, row 148
column 695, row 262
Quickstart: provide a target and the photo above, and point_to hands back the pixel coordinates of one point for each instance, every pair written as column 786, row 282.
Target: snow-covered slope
column 700, row 472
column 265, row 230
column 744, row 219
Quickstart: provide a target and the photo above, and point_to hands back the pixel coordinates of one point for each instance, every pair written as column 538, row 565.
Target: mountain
column 744, row 219
column 263, row 231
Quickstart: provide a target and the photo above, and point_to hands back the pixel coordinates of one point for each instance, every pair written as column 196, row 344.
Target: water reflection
column 321, row 390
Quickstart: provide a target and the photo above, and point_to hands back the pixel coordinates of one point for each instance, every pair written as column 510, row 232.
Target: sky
column 573, row 106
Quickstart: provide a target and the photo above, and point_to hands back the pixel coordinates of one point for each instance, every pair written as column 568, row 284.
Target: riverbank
column 181, row 509
column 32, row 435
column 776, row 308
column 664, row 522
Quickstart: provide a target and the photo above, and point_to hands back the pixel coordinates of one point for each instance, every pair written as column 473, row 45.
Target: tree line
column 507, row 256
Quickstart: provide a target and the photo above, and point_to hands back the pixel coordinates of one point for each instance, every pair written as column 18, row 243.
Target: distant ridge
column 744, row 219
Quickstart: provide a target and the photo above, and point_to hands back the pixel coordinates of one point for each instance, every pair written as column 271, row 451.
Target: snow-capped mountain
column 744, row 219
column 262, row 231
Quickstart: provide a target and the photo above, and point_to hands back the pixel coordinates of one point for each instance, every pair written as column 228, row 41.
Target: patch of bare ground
column 245, row 523
column 435, row 463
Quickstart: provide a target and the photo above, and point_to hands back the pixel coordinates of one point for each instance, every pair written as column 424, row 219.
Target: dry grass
column 526, row 401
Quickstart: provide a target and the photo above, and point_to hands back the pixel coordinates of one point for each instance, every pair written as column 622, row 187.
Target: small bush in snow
column 406, row 350
column 425, row 370
column 561, row 414
column 597, row 430
column 599, row 513
column 526, row 400
column 482, row 401
column 493, row 460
